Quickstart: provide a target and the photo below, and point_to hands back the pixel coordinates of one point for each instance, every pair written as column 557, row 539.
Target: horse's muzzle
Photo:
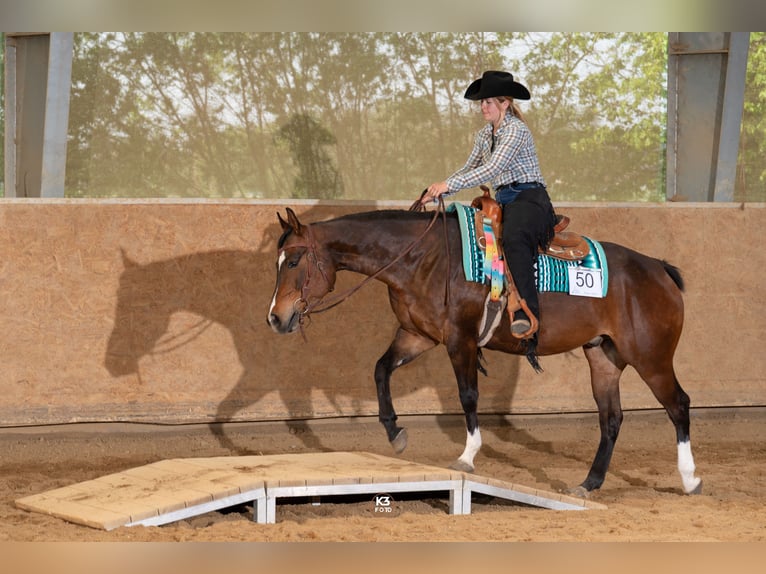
column 283, row 327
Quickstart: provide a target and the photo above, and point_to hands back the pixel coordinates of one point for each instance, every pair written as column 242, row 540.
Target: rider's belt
column 509, row 192
column 516, row 186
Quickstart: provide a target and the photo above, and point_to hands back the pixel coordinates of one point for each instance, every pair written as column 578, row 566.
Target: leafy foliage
column 355, row 115
column 751, row 167
column 306, row 140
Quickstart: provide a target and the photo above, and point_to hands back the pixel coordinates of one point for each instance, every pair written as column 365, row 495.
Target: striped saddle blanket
column 588, row 277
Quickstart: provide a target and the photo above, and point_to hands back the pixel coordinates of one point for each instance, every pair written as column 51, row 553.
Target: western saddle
column 566, row 245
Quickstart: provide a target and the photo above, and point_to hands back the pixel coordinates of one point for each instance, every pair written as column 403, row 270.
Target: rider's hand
column 433, row 192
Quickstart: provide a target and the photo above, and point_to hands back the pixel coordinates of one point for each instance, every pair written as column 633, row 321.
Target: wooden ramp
column 174, row 489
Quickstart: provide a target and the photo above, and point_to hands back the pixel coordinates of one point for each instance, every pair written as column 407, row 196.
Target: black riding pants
column 528, row 223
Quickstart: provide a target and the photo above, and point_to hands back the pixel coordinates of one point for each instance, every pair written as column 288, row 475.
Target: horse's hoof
column 400, row 441
column 697, row 489
column 461, row 466
column 578, row 491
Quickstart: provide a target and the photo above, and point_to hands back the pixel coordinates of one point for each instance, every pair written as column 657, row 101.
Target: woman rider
column 504, row 155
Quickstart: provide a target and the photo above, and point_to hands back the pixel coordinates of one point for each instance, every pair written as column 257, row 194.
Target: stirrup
column 520, row 326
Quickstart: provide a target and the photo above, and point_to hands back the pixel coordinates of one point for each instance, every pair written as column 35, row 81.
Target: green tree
column 307, row 140
column 355, row 115
column 429, row 120
column 598, row 112
column 751, row 166
column 177, row 79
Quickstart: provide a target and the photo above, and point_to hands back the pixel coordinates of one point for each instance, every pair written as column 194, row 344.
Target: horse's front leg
column 405, row 347
column 606, row 366
column 465, row 361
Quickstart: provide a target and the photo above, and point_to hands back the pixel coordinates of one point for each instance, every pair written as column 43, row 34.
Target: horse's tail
column 675, row 274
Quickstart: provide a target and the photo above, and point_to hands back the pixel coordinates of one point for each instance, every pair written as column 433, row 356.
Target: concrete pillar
column 706, row 87
column 38, row 72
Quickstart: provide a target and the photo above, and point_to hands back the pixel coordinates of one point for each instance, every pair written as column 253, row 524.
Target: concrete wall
column 186, row 286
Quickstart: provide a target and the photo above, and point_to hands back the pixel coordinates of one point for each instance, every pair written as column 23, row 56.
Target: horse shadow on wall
column 218, row 287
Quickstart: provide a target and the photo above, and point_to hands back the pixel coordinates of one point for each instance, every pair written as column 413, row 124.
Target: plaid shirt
column 513, row 158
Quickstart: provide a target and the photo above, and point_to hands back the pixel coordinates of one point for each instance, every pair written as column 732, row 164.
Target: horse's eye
column 292, row 264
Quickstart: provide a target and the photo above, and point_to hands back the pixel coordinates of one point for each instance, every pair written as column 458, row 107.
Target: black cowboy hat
column 493, row 84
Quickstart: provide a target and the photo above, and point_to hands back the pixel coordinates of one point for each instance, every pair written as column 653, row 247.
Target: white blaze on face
column 280, row 261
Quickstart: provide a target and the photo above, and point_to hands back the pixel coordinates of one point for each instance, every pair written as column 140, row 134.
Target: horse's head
column 139, row 321
column 305, row 274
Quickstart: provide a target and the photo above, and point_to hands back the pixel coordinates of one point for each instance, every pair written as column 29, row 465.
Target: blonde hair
column 513, row 108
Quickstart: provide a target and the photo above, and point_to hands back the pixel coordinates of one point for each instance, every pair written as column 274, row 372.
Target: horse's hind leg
column 651, row 354
column 669, row 393
column 606, row 366
column 405, row 347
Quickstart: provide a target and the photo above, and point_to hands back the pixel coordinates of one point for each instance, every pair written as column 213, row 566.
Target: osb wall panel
column 155, row 311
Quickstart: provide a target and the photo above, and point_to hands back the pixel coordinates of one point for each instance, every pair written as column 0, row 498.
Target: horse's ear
column 127, row 262
column 283, row 224
column 291, row 223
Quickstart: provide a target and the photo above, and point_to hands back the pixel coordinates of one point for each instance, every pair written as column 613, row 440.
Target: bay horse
column 638, row 323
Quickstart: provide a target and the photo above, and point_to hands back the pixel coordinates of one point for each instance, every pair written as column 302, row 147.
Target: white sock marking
column 472, row 446
column 686, row 467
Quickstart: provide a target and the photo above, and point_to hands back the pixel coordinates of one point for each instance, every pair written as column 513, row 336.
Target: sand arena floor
column 551, row 452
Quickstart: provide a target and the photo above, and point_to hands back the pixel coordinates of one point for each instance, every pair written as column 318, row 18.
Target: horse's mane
column 371, row 217
column 385, row 215
column 283, row 238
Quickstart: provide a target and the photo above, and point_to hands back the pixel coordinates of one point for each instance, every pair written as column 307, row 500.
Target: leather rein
column 304, row 308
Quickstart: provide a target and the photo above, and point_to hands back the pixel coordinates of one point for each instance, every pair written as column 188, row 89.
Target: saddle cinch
column 565, row 245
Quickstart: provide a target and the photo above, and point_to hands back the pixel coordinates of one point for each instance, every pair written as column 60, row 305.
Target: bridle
column 305, row 308
column 301, row 305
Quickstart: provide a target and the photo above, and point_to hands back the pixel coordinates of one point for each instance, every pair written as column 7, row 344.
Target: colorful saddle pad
column 588, row 277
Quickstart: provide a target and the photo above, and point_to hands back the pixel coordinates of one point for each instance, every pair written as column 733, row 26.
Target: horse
column 637, row 323
column 217, row 289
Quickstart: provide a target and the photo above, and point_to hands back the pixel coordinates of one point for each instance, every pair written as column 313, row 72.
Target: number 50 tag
column 586, row 282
